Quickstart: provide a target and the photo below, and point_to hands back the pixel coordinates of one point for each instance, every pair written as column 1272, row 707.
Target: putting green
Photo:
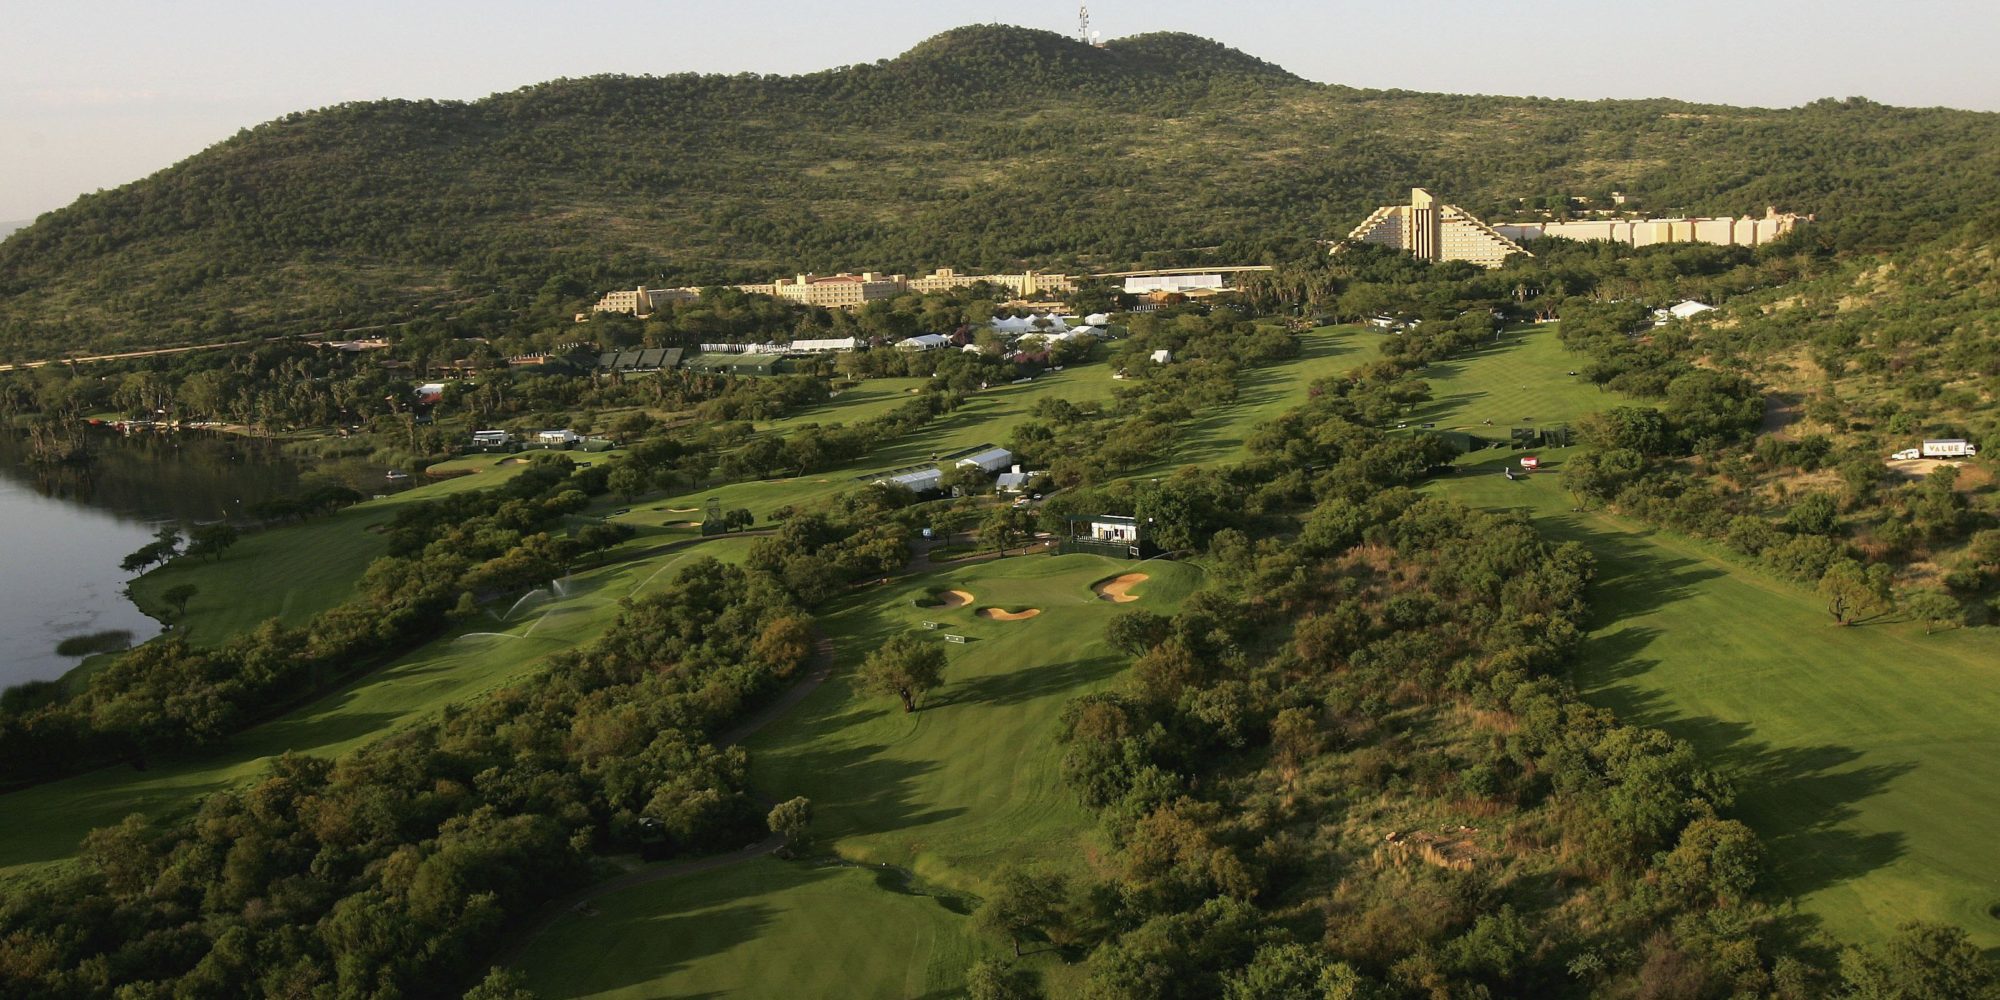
column 763, row 928
column 971, row 779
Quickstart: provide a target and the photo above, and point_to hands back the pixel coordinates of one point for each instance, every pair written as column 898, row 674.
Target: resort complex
column 1430, row 229
column 842, row 290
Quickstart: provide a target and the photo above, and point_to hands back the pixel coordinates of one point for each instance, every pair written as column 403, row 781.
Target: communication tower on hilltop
column 1083, row 32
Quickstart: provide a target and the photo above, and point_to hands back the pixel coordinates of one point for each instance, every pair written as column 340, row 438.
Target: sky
column 95, row 94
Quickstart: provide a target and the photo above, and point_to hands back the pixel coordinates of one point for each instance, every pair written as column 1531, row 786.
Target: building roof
column 921, row 479
column 1102, row 519
column 990, row 459
column 1682, row 310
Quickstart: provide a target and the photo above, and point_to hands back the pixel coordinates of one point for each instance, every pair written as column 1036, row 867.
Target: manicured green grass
column 1865, row 757
column 764, row 928
column 1523, row 380
column 1264, row 393
column 987, row 417
column 871, row 398
column 964, row 785
column 294, row 572
column 971, row 780
column 45, row 823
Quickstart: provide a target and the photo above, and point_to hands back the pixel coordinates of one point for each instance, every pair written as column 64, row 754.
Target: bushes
column 393, row 871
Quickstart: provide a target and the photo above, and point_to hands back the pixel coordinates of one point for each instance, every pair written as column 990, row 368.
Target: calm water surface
column 63, row 531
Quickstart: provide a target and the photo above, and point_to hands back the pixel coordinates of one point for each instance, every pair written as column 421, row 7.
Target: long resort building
column 1430, row 229
column 842, row 291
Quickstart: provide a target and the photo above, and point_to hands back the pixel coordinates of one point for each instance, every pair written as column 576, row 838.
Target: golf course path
column 822, row 667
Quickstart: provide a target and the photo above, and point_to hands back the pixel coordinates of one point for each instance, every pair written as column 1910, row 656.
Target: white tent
column 1682, row 310
column 1017, row 325
column 829, row 346
column 924, row 342
column 920, row 481
column 990, row 460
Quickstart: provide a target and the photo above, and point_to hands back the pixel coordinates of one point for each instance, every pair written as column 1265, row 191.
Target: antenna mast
column 1083, row 24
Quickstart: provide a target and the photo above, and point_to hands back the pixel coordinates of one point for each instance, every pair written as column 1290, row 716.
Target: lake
column 64, row 530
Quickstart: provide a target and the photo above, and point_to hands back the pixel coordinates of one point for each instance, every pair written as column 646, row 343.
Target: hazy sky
column 95, row 94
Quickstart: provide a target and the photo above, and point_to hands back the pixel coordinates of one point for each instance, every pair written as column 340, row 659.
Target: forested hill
column 983, row 147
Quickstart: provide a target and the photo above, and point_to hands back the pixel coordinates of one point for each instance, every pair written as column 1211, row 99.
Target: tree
column 1715, row 861
column 739, row 519
column 1924, row 961
column 792, row 820
column 501, row 984
column 1023, row 903
column 1814, row 514
column 906, row 667
column 211, row 539
column 1135, row 632
column 1001, row 528
column 989, row 979
column 1935, row 608
column 178, row 596
column 1853, row 593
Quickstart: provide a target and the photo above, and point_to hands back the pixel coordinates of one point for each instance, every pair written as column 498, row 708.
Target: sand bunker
column 1004, row 615
column 952, row 599
column 682, row 510
column 1119, row 589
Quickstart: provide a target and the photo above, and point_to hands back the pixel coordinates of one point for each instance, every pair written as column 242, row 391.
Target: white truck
column 1949, row 448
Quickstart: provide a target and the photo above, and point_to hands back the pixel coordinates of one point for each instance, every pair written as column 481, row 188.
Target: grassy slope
column 46, row 822
column 970, row 779
column 967, row 783
column 1864, row 756
column 986, row 417
column 1264, row 393
column 291, row 573
column 716, row 934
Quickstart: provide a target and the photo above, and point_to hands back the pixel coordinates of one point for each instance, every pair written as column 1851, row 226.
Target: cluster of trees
column 1814, row 502
column 1349, row 768
column 172, row 694
column 813, row 447
column 395, row 870
column 815, row 554
column 1090, row 442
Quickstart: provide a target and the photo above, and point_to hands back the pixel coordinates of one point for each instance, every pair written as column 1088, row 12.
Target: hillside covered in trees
column 984, row 147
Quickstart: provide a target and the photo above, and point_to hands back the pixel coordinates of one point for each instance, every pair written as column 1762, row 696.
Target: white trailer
column 1949, row 448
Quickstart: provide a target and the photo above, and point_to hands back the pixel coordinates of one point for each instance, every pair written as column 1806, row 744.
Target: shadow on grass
column 1028, row 683
column 880, row 789
column 1799, row 799
column 662, row 942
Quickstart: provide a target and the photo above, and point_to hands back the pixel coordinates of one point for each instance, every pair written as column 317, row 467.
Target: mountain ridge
column 984, row 146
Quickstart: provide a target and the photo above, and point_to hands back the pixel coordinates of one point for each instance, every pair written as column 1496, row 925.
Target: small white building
column 990, row 460
column 489, row 439
column 924, row 342
column 920, row 481
column 1014, row 481
column 1163, row 356
column 1686, row 309
column 563, row 436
